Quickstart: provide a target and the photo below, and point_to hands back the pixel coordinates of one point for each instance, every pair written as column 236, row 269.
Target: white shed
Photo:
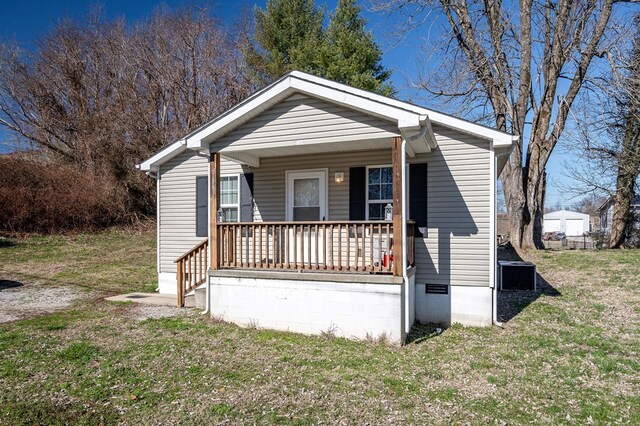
column 571, row 223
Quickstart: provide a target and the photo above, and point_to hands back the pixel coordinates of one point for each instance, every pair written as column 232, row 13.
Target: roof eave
column 152, row 163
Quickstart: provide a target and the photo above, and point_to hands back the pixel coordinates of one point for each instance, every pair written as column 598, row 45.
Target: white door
column 575, row 227
column 307, row 202
column 307, row 195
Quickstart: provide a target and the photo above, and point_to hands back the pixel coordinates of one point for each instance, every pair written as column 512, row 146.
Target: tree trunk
column 628, row 170
column 513, row 188
column 621, row 215
column 524, row 197
column 532, row 229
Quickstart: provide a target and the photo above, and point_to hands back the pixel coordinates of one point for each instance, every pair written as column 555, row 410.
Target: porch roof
column 413, row 122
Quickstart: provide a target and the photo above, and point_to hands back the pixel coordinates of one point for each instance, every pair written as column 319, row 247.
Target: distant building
column 571, row 223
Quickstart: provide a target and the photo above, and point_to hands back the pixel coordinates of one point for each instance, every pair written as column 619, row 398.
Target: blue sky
column 24, row 21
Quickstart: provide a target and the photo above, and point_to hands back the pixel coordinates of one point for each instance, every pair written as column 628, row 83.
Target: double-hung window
column 379, row 191
column 230, row 197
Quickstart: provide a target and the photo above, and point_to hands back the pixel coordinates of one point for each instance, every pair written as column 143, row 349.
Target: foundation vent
column 436, row 289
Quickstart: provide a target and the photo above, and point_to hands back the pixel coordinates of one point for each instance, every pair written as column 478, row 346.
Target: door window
column 306, row 195
column 306, row 199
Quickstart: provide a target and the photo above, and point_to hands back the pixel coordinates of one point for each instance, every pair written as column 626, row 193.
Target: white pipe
column 207, row 302
column 495, row 308
column 493, row 158
column 405, row 278
column 156, row 176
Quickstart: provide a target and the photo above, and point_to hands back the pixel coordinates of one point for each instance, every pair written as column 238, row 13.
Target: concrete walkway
column 146, row 298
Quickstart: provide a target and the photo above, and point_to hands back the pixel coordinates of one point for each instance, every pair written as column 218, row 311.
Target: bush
column 600, row 239
column 38, row 196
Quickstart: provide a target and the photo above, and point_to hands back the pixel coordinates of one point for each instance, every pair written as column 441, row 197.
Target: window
column 230, row 197
column 379, row 191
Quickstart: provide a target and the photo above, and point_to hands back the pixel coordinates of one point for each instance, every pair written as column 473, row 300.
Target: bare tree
column 524, row 64
column 102, row 97
column 628, row 163
column 608, row 137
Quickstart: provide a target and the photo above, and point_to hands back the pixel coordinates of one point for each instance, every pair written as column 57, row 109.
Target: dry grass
column 570, row 355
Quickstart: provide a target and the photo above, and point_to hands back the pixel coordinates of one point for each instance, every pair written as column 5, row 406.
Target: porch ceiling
column 252, row 156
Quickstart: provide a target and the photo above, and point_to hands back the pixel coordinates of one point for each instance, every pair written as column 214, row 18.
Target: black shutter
column 202, row 206
column 418, row 196
column 246, row 197
column 357, row 192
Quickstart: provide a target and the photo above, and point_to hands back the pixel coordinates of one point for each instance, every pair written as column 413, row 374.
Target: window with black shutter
column 357, row 193
column 246, row 197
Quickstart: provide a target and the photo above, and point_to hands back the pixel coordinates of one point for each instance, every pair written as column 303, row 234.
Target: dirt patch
column 143, row 312
column 24, row 300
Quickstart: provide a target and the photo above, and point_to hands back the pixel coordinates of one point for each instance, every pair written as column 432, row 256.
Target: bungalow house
column 315, row 207
column 606, row 216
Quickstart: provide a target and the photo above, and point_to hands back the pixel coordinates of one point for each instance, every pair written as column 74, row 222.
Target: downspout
column 207, row 302
column 424, row 128
column 155, row 174
column 405, row 277
column 492, row 232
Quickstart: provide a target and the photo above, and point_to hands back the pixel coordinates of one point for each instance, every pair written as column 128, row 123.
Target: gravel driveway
column 22, row 300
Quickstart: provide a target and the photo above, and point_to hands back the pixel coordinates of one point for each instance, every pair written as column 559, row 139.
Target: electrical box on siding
column 517, row 275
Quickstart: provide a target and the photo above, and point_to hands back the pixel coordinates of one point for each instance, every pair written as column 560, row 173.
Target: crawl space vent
column 436, row 289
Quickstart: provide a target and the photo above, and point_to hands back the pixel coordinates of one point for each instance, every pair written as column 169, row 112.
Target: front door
column 307, row 195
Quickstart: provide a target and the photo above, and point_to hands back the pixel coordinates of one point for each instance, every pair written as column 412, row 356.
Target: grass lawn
column 569, row 356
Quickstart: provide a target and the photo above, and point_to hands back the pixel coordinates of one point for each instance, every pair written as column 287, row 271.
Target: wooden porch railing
column 192, row 270
column 346, row 246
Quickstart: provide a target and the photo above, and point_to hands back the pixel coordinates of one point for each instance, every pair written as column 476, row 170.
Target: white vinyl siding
column 455, row 248
column 304, row 118
column 269, row 180
column 177, row 204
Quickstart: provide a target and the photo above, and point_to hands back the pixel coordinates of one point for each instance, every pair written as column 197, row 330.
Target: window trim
column 367, row 202
column 237, row 204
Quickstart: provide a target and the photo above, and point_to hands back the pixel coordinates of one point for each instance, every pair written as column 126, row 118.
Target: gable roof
column 414, row 122
column 605, row 204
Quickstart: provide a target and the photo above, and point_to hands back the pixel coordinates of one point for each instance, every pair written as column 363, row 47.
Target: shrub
column 38, row 196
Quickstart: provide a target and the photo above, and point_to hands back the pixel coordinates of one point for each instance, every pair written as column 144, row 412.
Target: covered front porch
column 309, row 234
